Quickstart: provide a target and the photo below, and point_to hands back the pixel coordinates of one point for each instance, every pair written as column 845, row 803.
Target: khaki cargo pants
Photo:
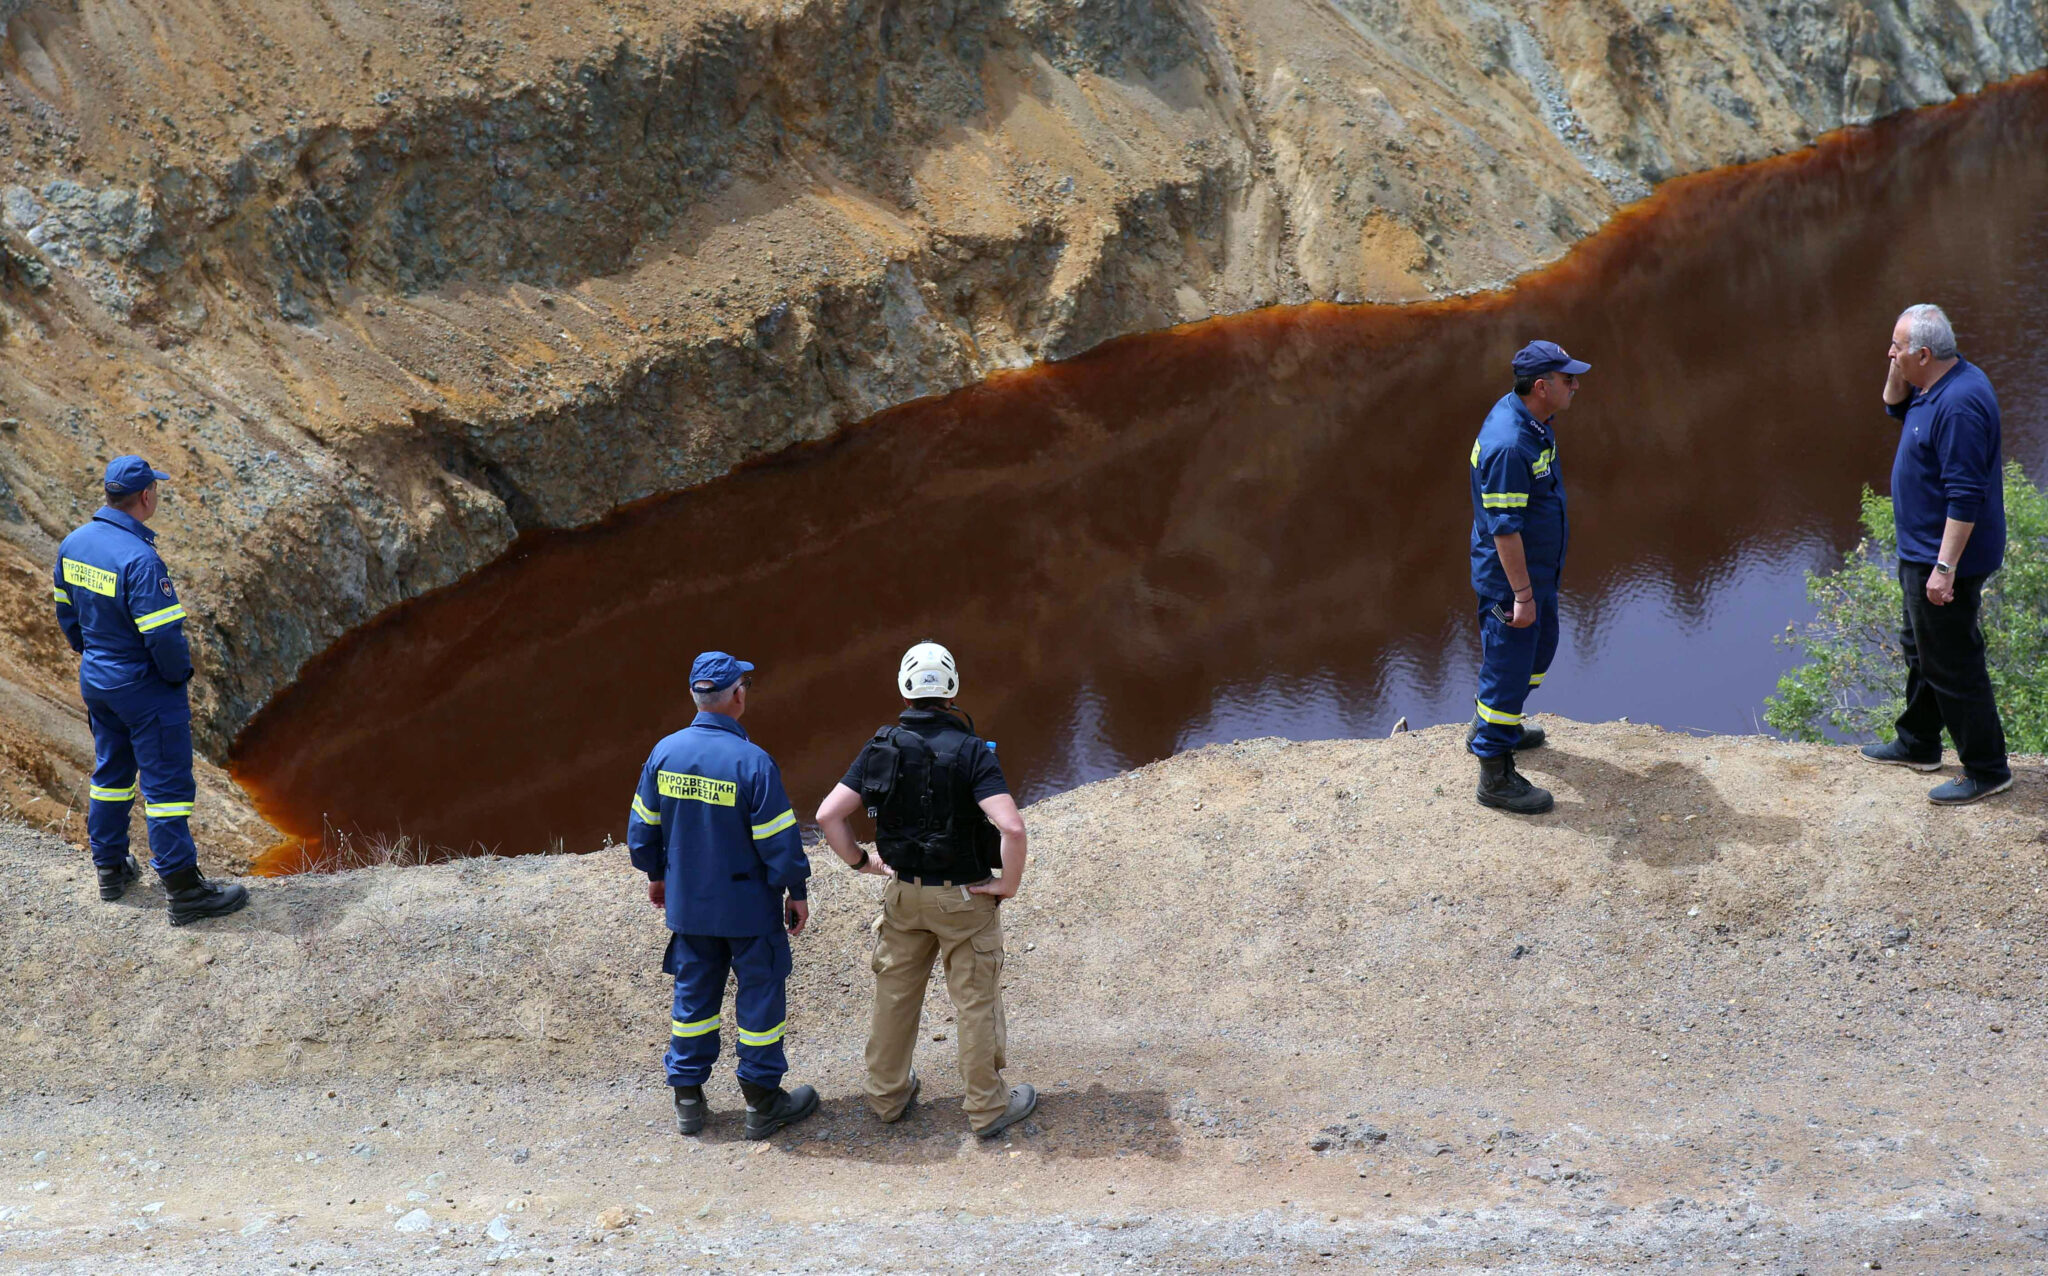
column 920, row 923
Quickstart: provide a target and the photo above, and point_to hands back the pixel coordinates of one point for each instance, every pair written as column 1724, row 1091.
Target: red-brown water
column 1254, row 526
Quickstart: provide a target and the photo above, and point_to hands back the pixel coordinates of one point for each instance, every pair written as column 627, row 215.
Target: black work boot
column 193, row 897
column 1532, row 737
column 1503, row 788
column 690, row 1109
column 768, row 1110
column 114, row 882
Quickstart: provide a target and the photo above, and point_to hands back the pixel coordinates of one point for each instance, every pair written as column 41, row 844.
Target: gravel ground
column 1735, row 1004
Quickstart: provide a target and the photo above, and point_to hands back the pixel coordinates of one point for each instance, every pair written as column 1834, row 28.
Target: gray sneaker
column 1023, row 1102
column 1966, row 789
column 1892, row 753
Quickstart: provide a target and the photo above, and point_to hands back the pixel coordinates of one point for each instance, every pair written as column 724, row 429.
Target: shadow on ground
column 1089, row 1124
column 1667, row 816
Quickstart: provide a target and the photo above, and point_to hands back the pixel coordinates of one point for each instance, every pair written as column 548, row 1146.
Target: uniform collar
column 719, row 722
column 1528, row 417
column 126, row 522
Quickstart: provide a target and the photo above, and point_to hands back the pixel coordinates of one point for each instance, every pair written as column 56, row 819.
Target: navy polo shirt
column 1949, row 467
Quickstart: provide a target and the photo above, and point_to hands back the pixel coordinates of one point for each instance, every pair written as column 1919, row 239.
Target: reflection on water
column 1249, row 527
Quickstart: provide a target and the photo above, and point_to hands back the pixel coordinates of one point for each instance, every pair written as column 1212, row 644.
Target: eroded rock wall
column 385, row 289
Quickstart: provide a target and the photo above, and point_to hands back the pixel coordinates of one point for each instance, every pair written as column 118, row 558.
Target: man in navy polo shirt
column 714, row 831
column 1948, row 504
column 120, row 612
column 1519, row 534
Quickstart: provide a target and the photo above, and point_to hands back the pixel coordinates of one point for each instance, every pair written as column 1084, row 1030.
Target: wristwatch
column 1944, row 568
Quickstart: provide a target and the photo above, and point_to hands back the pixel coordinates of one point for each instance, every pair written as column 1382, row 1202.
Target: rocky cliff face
column 385, row 288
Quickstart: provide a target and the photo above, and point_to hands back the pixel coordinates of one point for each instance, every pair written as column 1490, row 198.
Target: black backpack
column 920, row 794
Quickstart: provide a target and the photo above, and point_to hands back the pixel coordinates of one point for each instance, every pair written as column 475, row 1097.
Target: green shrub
column 1852, row 683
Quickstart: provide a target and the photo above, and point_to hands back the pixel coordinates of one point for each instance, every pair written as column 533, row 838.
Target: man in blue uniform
column 1519, row 534
column 715, row 833
column 120, row 612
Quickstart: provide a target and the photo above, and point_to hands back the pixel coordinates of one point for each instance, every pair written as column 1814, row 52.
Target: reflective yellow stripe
column 1535, row 679
column 158, row 619
column 1475, row 454
column 1496, row 716
column 113, row 795
column 677, row 1028
column 97, row 579
column 166, row 810
column 646, row 816
column 62, row 597
column 774, row 826
column 1542, row 465
column 767, row 1038
column 1503, row 500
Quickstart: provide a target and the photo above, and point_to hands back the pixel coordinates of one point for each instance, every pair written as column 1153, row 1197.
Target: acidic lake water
column 1254, row 526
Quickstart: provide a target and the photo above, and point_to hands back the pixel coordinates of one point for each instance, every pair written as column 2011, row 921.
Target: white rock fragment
column 499, row 1229
column 416, row 1221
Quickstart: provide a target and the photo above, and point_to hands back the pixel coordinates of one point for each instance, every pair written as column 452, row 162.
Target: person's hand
column 657, row 894
column 873, row 864
column 1525, row 613
column 798, row 915
column 1941, row 588
column 1894, row 380
column 1000, row 887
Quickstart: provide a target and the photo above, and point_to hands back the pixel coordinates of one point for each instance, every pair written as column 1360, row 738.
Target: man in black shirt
column 950, row 837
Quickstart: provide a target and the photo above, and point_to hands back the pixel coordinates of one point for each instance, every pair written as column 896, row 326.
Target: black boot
column 193, row 897
column 1532, row 737
column 771, row 1108
column 1503, row 788
column 690, row 1109
column 114, row 882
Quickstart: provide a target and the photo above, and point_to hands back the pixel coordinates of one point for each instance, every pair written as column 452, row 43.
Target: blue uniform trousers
column 700, row 964
column 146, row 727
column 1512, row 663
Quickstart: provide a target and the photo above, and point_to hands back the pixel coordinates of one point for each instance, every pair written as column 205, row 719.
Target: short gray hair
column 708, row 701
column 1928, row 327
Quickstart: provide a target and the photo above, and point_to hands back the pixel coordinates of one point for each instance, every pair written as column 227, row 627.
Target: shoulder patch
column 168, row 591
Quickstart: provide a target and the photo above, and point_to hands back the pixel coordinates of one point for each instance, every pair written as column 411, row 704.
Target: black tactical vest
column 920, row 792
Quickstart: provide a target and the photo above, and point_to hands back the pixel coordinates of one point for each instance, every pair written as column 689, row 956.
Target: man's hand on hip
column 1000, row 887
column 657, row 894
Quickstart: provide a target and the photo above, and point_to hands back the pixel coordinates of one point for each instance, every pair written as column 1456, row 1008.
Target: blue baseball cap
column 1539, row 357
column 126, row 474
column 715, row 671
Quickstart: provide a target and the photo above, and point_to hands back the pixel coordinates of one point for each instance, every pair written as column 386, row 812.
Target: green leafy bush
column 1852, row 683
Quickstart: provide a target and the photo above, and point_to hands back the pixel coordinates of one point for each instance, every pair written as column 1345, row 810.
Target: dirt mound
column 1288, row 1003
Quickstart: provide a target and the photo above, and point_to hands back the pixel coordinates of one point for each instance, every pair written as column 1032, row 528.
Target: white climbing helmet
column 928, row 670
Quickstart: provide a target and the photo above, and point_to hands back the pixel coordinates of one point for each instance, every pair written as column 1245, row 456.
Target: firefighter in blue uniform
column 1519, row 534
column 715, row 833
column 120, row 613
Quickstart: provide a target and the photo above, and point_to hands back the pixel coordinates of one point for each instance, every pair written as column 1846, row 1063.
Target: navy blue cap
column 1539, row 357
column 715, row 671
column 126, row 474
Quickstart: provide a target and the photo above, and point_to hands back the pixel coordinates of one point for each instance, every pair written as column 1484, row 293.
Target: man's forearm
column 1955, row 537
column 839, row 836
column 1013, row 857
column 1513, row 562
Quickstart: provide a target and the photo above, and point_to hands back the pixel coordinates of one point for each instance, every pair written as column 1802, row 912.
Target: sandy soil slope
column 1735, row 1004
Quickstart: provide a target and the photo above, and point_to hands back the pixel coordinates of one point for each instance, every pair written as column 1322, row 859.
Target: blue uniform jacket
column 1948, row 467
column 710, row 817
column 117, row 606
column 1516, row 487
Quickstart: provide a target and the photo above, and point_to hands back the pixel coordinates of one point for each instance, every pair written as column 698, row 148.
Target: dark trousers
column 1512, row 663
column 701, row 964
column 147, row 729
column 1947, row 684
